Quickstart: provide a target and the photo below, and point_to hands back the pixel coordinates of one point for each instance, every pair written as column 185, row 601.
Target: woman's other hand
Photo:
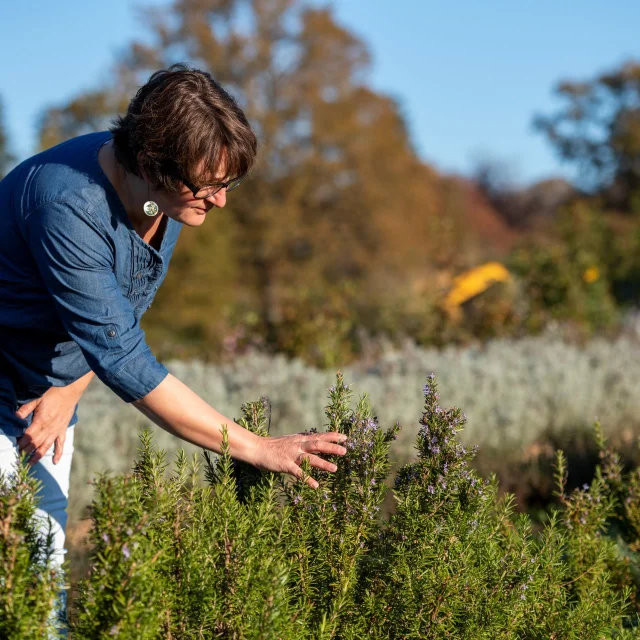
column 52, row 413
column 285, row 453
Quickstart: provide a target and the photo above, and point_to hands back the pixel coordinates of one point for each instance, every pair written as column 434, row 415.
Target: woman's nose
column 219, row 198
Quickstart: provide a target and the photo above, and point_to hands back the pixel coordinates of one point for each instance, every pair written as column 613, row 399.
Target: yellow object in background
column 473, row 282
column 591, row 274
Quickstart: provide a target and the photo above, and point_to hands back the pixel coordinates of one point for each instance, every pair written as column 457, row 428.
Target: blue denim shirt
column 75, row 279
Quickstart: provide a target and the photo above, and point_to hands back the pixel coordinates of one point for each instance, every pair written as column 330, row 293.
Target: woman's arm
column 81, row 384
column 181, row 412
column 75, row 256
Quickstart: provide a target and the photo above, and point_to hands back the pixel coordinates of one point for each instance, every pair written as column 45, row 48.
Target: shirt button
column 111, row 333
column 138, row 275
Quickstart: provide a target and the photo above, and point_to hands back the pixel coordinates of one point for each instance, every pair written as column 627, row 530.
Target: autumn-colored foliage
column 343, row 232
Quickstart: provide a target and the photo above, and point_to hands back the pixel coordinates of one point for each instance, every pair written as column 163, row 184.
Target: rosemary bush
column 29, row 581
column 239, row 553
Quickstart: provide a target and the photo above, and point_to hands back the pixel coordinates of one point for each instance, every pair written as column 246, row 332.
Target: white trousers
column 53, row 495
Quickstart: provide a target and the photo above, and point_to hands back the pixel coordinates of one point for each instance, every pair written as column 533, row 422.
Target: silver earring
column 150, row 207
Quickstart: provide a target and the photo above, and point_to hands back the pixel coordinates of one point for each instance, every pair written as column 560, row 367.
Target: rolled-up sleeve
column 75, row 256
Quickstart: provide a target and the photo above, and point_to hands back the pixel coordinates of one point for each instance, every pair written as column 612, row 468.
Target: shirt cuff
column 141, row 375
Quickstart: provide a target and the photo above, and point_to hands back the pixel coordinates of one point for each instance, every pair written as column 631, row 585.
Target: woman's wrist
column 79, row 386
column 249, row 449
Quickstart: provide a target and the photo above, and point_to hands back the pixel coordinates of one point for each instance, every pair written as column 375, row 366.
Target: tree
column 521, row 207
column 598, row 130
column 338, row 196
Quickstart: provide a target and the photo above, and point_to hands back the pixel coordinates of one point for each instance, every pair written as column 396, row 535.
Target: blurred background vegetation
column 343, row 235
column 346, row 249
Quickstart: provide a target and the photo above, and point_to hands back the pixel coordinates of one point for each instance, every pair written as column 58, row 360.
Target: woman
column 87, row 230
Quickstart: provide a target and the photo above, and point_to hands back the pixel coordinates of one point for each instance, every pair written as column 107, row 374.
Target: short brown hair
column 178, row 119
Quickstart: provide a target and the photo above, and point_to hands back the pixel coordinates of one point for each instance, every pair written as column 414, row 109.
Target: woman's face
column 184, row 208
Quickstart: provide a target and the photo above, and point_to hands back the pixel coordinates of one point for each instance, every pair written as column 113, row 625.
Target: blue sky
column 470, row 75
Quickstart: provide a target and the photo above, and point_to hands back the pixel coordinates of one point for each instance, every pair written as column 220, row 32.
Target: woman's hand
column 52, row 413
column 286, row 453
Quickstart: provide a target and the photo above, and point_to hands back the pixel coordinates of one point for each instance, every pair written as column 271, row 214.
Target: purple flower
column 297, row 499
column 430, row 488
column 125, row 551
column 106, row 538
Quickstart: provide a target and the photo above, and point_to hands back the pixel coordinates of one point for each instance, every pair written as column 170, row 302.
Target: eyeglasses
column 201, row 193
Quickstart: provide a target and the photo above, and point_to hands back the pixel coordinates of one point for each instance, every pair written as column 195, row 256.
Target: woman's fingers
column 59, row 444
column 319, row 443
column 297, row 472
column 36, row 441
column 24, row 411
column 320, row 463
column 323, row 445
column 332, row 436
column 30, row 440
column 286, row 453
column 40, row 452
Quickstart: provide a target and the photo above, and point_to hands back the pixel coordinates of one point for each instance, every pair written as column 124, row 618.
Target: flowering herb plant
column 235, row 552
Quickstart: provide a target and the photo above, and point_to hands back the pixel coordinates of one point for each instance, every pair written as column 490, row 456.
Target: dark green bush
column 29, row 581
column 245, row 554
